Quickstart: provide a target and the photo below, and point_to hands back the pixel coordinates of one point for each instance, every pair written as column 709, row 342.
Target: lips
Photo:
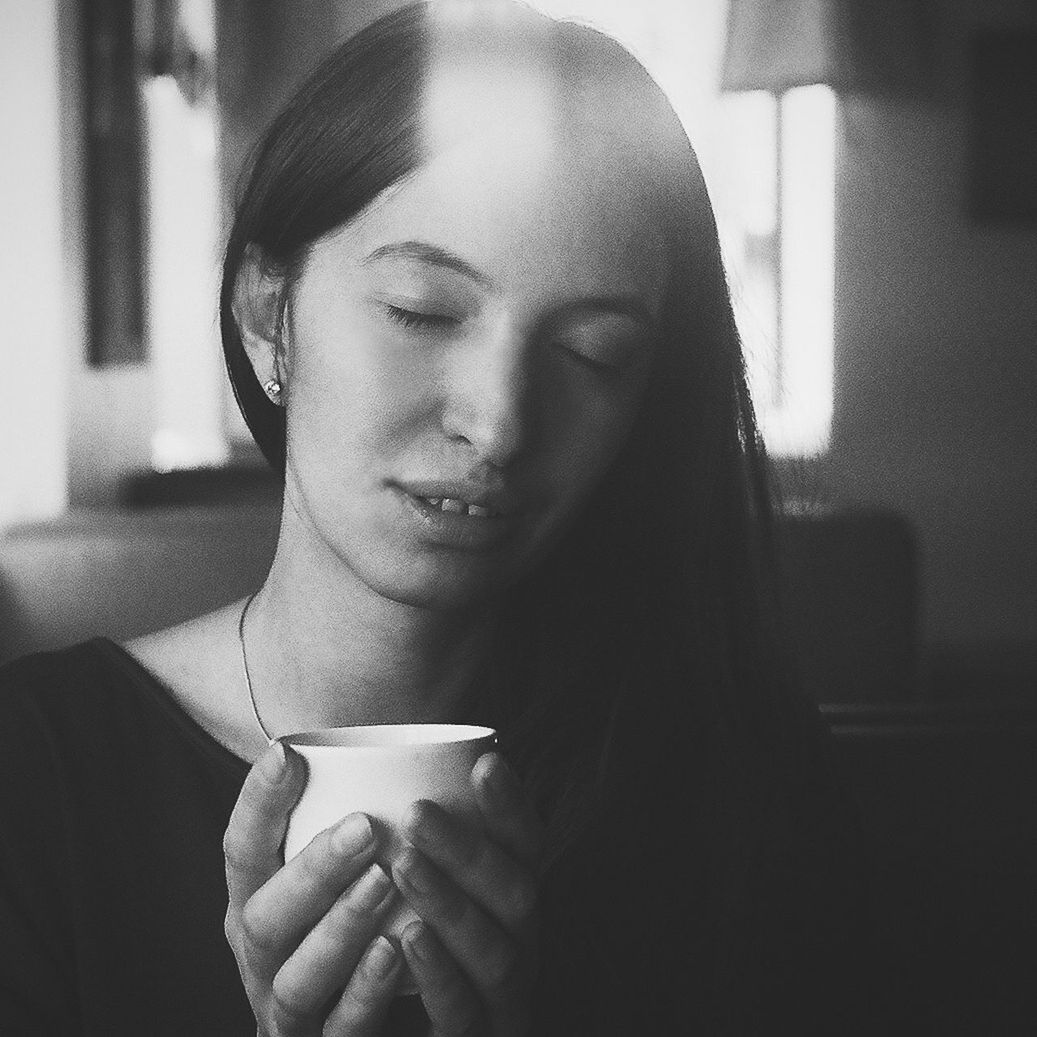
column 467, row 516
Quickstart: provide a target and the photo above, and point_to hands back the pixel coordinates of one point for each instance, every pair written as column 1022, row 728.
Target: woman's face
column 463, row 361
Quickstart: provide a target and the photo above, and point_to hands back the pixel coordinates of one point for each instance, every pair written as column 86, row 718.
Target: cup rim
column 389, row 736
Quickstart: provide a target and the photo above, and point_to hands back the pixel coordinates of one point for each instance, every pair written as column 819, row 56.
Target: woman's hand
column 474, row 954
column 304, row 933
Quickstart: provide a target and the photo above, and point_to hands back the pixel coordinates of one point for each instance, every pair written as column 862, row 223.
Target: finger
column 364, row 1004
column 280, row 913
column 479, row 867
column 486, row 954
column 507, row 812
column 452, row 1004
column 255, row 832
column 327, row 956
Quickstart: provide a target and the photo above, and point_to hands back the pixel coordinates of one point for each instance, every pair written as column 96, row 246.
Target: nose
column 486, row 399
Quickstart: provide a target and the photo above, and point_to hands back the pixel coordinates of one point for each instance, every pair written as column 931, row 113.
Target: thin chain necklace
column 244, row 665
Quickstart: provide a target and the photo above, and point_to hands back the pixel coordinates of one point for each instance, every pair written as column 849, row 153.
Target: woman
column 474, row 311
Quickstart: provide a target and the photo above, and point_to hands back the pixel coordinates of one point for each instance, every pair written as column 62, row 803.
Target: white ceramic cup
column 380, row 770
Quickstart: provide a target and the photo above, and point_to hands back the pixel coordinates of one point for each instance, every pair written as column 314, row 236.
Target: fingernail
column 415, row 939
column 495, row 776
column 274, row 764
column 415, row 824
column 372, row 887
column 414, row 873
column 380, row 959
column 352, row 836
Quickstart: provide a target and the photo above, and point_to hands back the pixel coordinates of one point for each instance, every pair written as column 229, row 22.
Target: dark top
column 730, row 916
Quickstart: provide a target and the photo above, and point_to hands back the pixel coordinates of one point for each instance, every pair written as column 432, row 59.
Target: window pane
column 801, row 422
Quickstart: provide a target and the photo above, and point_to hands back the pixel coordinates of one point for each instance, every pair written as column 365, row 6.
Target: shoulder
column 112, row 803
column 199, row 666
column 72, row 682
column 66, row 716
column 55, row 708
column 185, row 655
column 85, row 714
column 805, row 771
column 785, row 790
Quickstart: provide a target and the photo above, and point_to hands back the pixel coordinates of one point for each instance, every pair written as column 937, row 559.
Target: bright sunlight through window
column 183, row 231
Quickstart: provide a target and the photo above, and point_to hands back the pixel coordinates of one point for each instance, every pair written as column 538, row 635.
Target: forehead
column 565, row 214
column 536, row 169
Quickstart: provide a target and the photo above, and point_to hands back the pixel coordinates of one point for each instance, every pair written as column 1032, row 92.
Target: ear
column 259, row 309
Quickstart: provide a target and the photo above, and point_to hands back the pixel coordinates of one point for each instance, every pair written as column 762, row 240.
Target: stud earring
column 273, row 390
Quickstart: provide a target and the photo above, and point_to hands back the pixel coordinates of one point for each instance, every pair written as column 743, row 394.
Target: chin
column 442, row 587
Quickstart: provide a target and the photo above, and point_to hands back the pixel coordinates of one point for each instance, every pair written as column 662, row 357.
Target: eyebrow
column 432, row 254
column 620, row 305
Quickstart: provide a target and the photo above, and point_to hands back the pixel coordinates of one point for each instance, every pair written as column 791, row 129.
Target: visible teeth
column 459, row 507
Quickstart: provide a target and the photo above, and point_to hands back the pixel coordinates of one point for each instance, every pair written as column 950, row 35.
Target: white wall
column 33, row 357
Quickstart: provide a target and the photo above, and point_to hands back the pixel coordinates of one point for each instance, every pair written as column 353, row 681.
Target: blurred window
column 183, row 224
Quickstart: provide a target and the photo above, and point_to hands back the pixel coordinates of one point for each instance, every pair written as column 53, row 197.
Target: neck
column 324, row 650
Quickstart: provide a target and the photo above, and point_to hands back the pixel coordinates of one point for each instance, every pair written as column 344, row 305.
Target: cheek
column 357, row 398
column 589, row 427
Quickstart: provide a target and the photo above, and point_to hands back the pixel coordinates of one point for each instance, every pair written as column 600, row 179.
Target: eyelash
column 415, row 319
column 601, row 367
column 596, row 365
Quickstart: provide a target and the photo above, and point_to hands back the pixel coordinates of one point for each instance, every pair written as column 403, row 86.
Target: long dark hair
column 652, row 616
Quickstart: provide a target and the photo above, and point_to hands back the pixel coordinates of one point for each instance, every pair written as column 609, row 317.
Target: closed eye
column 594, row 365
column 418, row 319
column 602, row 353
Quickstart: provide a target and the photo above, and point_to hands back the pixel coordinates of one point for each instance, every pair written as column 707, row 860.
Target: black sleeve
column 37, row 986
